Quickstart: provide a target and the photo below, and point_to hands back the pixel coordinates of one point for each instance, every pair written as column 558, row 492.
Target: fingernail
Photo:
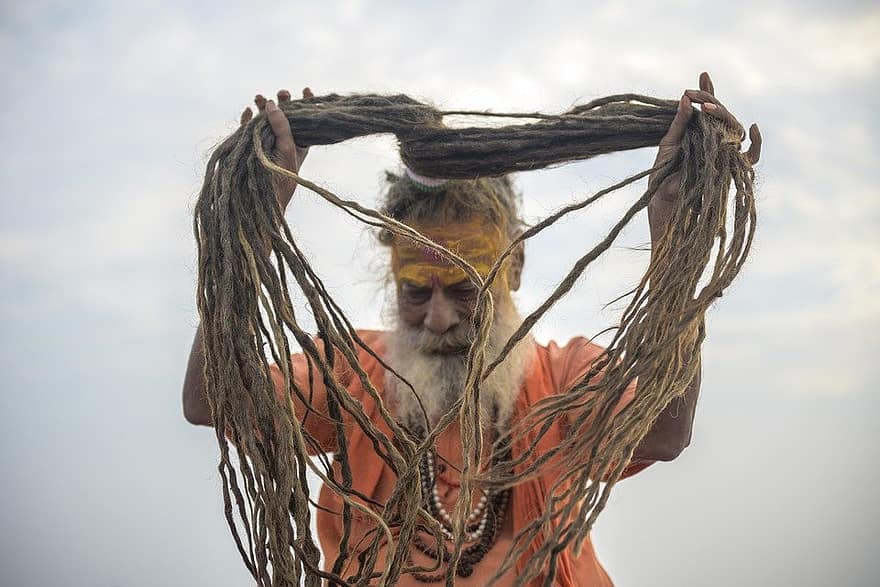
column 709, row 106
column 270, row 106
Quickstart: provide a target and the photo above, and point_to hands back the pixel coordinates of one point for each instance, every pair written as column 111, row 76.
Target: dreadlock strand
column 245, row 302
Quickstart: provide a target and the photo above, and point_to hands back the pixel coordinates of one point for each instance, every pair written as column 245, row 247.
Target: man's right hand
column 286, row 153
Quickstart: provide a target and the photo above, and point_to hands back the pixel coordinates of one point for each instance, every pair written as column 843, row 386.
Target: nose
column 441, row 314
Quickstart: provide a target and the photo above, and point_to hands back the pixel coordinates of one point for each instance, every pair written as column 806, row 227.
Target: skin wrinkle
column 657, row 340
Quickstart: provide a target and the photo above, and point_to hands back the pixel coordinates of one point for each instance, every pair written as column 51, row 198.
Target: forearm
column 671, row 432
column 195, row 402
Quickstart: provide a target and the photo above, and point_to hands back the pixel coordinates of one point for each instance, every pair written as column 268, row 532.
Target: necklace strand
column 483, row 523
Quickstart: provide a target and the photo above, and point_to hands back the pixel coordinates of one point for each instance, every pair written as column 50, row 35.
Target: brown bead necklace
column 483, row 524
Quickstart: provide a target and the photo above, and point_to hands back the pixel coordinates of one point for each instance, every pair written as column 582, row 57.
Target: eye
column 463, row 290
column 415, row 294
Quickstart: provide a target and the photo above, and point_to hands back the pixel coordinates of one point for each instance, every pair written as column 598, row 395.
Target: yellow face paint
column 479, row 242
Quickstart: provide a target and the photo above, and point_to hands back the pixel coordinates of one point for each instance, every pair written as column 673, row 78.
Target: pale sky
column 109, row 113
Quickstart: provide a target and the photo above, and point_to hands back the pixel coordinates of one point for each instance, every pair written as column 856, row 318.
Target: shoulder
column 370, row 348
column 569, row 363
column 373, row 338
column 368, row 345
column 576, row 347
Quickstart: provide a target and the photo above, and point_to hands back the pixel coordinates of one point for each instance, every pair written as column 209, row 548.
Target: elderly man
column 428, row 347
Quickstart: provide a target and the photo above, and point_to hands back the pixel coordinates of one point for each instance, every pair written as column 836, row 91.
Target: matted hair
column 251, row 269
column 458, row 200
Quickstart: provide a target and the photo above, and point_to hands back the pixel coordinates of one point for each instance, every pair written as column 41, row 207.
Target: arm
column 288, row 155
column 671, row 432
column 195, row 403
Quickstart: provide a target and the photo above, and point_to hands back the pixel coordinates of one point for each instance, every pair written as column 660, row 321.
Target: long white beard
column 439, row 378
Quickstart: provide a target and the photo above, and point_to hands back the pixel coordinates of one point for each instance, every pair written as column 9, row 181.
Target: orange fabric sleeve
column 313, row 413
column 570, row 363
column 315, row 420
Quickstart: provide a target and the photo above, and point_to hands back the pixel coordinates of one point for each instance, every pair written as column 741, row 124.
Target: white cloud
column 117, row 263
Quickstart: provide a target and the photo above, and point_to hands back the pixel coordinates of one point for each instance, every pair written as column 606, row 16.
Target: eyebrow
column 413, row 284
column 464, row 283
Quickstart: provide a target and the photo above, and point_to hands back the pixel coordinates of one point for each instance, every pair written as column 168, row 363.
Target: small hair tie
column 426, row 184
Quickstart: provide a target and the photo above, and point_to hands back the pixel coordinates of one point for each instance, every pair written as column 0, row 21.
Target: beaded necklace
column 483, row 524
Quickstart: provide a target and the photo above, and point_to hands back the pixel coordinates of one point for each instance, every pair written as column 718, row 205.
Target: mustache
column 436, row 366
column 455, row 340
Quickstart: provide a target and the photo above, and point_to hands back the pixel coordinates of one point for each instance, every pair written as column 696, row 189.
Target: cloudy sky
column 110, row 110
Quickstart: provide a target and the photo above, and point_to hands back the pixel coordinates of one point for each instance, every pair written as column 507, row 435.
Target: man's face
column 444, row 311
column 436, row 302
column 436, row 296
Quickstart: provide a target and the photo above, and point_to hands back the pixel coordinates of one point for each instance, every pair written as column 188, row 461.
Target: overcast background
column 109, row 111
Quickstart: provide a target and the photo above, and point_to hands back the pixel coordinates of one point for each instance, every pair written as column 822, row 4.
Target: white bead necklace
column 480, row 512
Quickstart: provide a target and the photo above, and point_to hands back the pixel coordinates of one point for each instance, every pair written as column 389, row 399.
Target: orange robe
column 553, row 370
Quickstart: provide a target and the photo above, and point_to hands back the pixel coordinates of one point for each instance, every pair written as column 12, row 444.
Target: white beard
column 438, row 378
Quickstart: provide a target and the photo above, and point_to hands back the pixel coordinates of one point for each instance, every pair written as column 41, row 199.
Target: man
column 428, row 347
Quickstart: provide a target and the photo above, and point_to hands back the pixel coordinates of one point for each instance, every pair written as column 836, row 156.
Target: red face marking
column 432, row 256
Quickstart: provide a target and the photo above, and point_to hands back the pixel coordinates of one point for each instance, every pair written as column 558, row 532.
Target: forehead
column 451, row 230
column 477, row 241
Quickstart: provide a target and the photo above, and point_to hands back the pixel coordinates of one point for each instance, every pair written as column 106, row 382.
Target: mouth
column 448, row 350
column 449, row 344
column 457, row 350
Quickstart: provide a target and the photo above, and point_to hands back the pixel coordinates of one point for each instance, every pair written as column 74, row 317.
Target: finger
column 301, row 152
column 283, row 96
column 711, row 106
column 720, row 112
column 754, row 152
column 706, row 84
column 281, row 127
column 679, row 124
column 246, row 115
column 701, row 97
column 260, row 101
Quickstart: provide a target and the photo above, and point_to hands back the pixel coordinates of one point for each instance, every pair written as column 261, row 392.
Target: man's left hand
column 662, row 205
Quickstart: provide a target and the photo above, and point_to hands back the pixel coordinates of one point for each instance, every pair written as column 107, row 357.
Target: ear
column 514, row 271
